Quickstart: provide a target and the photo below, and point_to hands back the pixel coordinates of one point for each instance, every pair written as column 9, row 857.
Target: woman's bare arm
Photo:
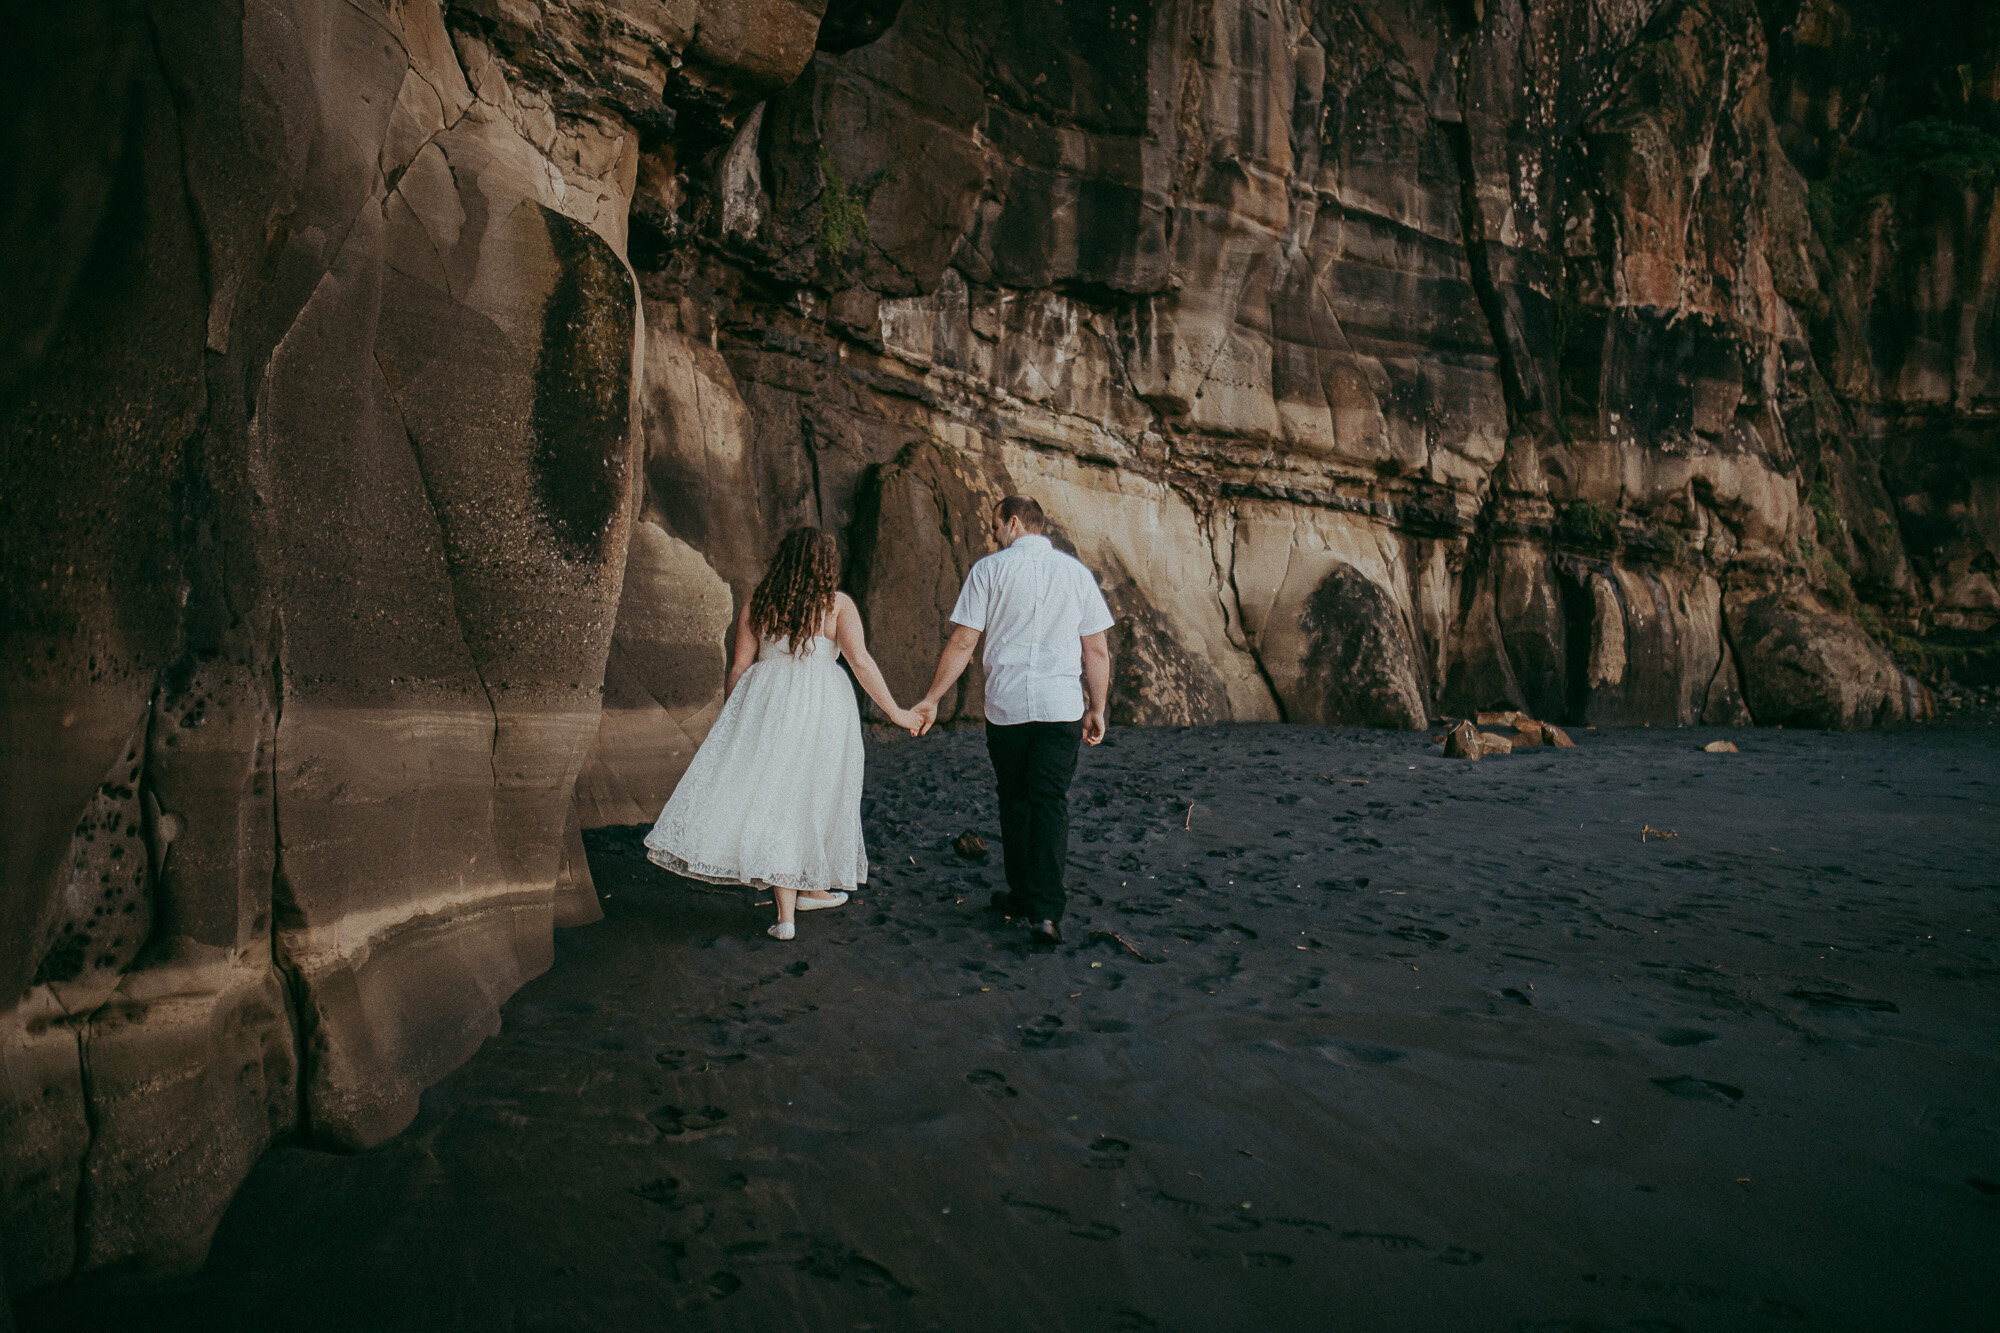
column 745, row 652
column 853, row 641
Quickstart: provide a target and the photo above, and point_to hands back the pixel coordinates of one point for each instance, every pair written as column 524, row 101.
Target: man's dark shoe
column 1044, row 932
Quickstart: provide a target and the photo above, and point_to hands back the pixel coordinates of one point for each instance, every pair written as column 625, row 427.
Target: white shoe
column 784, row 930
column 805, row 904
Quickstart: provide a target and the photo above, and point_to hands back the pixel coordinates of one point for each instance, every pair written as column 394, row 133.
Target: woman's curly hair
column 796, row 595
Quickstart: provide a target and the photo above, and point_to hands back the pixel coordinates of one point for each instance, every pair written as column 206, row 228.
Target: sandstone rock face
column 1906, row 319
column 662, row 681
column 1384, row 359
column 398, row 399
column 322, row 415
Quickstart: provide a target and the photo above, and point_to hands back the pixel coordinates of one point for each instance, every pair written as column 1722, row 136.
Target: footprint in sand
column 681, row 1059
column 1038, row 1212
column 1384, row 1240
column 1699, row 1089
column 1047, row 1032
column 832, row 1263
column 992, row 1083
column 676, row 1120
column 1230, row 1220
column 1108, row 1154
column 1046, row 1213
column 672, row 1252
column 1684, row 1037
column 1833, row 999
column 665, row 1190
column 1186, row 1207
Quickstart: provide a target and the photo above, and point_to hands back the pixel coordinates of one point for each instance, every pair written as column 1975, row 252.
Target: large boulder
column 1356, row 660
column 1804, row 666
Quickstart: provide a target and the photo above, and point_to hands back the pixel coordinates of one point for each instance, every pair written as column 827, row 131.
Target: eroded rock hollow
column 397, row 398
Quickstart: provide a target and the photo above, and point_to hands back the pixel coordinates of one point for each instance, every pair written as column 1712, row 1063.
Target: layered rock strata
column 1385, row 359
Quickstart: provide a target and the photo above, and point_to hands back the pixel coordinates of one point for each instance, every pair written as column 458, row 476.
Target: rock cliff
column 321, row 425
column 1386, row 359
column 396, row 398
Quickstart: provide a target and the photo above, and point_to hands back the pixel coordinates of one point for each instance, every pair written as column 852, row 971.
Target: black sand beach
column 1343, row 1035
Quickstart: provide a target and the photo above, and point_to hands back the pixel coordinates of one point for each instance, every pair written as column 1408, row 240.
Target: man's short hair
column 1021, row 507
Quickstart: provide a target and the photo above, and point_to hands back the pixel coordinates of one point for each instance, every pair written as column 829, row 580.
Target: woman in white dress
column 773, row 797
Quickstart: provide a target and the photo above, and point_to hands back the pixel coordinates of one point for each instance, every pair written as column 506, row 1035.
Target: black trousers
column 1033, row 763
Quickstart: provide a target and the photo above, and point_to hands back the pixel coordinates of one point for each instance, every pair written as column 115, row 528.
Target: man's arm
column 1096, row 685
column 957, row 655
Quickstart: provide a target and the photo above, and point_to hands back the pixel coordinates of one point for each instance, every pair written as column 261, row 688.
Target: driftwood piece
column 1124, row 944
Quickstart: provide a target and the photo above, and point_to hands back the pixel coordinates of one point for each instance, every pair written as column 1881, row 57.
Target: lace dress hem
column 714, row 874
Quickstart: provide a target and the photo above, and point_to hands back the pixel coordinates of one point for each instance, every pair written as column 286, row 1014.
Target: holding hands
column 916, row 720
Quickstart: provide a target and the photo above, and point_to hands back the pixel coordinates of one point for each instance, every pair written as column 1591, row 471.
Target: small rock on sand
column 970, row 846
column 1491, row 743
column 1720, row 747
column 1462, row 742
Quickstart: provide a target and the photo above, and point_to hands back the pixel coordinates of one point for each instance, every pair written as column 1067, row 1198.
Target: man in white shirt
column 1047, row 674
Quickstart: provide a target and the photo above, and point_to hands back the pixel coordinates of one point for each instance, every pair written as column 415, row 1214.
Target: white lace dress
column 773, row 796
